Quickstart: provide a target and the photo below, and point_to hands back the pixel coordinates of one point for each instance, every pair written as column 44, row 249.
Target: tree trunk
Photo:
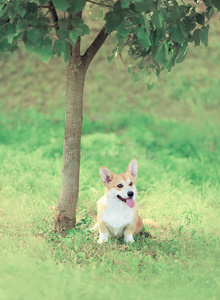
column 68, row 197
column 76, row 71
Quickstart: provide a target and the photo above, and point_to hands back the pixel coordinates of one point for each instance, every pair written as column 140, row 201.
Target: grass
column 174, row 133
column 178, row 186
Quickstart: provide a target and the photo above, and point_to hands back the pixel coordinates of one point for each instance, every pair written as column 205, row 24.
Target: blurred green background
column 174, row 133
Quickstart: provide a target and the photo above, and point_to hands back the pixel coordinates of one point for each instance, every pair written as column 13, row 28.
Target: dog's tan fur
column 136, row 225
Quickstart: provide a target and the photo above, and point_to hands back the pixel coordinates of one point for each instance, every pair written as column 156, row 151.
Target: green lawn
column 175, row 135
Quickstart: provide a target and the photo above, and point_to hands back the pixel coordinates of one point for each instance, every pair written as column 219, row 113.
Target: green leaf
column 182, row 53
column 125, row 3
column 2, row 33
column 74, row 35
column 62, row 47
column 42, row 2
column 200, row 18
column 184, row 10
column 189, row 23
column 157, row 20
column 79, row 4
column 47, row 42
column 4, row 45
column 112, row 21
column 161, row 54
column 216, row 3
column 18, row 36
column 62, row 4
column 110, row 57
column 11, row 37
column 177, row 32
column 85, row 29
column 144, row 6
column 16, row 4
column 118, row 9
column 10, row 32
column 45, row 54
column 154, row 38
column 20, row 27
column 209, row 12
column 63, row 33
column 32, row 8
column 196, row 37
column 161, row 34
column 10, row 29
column 175, row 13
column 119, row 37
column 124, row 29
column 21, row 11
column 12, row 13
column 118, row 61
column 79, row 25
column 33, row 35
column 66, row 49
column 203, row 34
column 76, row 5
column 63, row 22
column 58, row 47
column 143, row 37
column 29, row 46
column 3, row 12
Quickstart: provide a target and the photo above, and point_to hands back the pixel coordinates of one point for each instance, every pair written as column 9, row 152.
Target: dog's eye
column 130, row 183
column 120, row 185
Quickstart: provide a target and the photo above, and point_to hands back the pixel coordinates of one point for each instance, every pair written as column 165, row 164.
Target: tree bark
column 76, row 71
column 68, row 197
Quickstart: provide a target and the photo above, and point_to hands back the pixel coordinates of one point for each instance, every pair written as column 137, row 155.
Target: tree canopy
column 156, row 33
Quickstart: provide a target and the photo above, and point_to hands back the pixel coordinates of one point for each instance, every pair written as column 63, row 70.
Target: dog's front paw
column 103, row 237
column 129, row 238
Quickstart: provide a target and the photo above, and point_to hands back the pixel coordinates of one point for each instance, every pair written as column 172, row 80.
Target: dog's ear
column 133, row 168
column 106, row 176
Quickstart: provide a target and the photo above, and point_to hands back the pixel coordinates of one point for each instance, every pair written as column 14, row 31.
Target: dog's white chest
column 116, row 217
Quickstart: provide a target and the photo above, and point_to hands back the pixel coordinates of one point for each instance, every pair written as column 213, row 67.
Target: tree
column 155, row 33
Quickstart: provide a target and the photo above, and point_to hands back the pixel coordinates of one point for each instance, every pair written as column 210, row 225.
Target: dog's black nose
column 130, row 194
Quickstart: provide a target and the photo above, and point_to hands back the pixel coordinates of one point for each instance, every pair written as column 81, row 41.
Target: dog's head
column 121, row 186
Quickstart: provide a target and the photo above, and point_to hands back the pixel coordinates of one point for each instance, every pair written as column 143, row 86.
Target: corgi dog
column 118, row 208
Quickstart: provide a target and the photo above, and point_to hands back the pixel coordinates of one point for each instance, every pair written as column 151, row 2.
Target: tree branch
column 183, row 2
column 54, row 16
column 95, row 46
column 105, row 5
column 75, row 50
column 44, row 6
column 46, row 13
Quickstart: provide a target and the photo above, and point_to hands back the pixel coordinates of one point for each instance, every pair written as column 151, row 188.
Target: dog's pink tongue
column 130, row 202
